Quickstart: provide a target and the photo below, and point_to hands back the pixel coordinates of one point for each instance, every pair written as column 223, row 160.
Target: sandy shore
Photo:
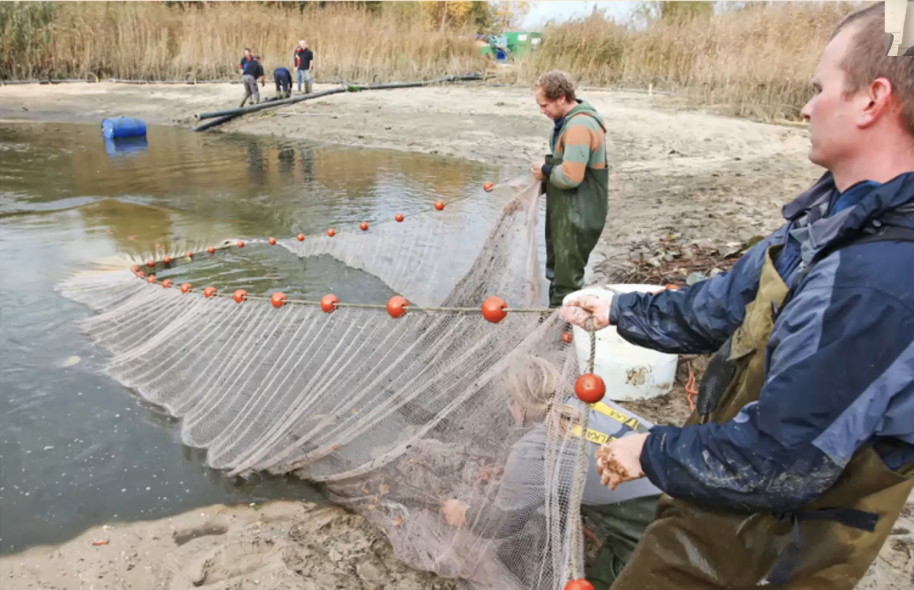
column 703, row 177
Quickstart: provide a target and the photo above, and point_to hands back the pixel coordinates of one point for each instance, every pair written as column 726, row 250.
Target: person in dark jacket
column 283, row 79
column 253, row 72
column 304, row 64
column 245, row 59
column 800, row 453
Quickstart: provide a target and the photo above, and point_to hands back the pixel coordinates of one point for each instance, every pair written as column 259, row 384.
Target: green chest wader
column 827, row 545
column 575, row 218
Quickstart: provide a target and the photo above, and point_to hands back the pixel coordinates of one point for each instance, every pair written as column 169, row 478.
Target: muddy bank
column 696, row 176
column 280, row 545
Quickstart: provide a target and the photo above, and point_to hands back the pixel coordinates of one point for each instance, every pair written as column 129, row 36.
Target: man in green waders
column 800, row 454
column 576, row 180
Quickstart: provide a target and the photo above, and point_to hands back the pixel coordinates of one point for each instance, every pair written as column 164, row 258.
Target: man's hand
column 620, row 460
column 455, row 512
column 579, row 307
column 537, row 171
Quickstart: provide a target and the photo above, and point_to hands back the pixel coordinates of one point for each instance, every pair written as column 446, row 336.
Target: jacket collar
column 810, row 209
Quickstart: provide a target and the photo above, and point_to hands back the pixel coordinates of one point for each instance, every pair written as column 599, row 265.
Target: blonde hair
column 532, row 385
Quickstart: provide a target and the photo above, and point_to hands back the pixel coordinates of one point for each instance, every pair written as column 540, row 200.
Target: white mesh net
column 450, row 433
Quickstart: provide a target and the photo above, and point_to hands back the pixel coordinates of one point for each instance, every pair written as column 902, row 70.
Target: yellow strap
column 593, row 436
column 616, row 415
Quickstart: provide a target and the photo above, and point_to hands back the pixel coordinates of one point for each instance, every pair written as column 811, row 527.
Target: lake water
column 78, row 449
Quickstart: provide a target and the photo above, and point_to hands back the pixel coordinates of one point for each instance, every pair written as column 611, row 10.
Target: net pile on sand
column 396, row 416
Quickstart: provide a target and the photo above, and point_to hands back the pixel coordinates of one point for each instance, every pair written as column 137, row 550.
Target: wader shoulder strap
column 850, row 517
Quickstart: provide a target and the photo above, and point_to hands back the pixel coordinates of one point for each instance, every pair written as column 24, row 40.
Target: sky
column 541, row 12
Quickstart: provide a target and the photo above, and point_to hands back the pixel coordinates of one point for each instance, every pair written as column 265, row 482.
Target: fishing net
column 417, row 422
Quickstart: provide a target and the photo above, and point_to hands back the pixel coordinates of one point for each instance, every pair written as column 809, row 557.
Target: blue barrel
column 125, row 145
column 123, row 127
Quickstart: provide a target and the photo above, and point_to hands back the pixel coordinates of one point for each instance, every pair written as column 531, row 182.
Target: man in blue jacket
column 800, row 454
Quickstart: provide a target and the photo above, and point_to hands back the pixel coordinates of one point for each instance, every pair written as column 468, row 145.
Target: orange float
column 581, row 584
column 211, row 250
column 331, row 232
column 167, row 260
column 397, row 306
column 278, row 299
column 567, row 338
column 167, row 283
column 240, row 295
column 488, row 187
column 189, row 254
column 301, row 237
column 241, row 243
column 398, row 217
column 151, row 279
column 363, row 226
column 329, row 303
column 186, row 287
column 209, row 292
column 150, row 263
column 493, row 309
column 439, row 205
column 140, row 274
column 272, row 241
column 589, row 388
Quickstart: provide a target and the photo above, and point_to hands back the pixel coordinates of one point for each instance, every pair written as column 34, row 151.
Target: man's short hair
column 247, row 49
column 866, row 60
column 555, row 85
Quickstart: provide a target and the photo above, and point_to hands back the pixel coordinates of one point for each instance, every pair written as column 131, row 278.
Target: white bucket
column 630, row 372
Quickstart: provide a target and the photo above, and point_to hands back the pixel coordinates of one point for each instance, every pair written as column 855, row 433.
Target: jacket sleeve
column 697, row 319
column 841, row 375
column 579, row 141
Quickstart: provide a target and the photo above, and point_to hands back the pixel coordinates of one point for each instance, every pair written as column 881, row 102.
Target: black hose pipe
column 348, row 88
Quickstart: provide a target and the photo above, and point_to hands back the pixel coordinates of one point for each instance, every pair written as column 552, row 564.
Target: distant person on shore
column 283, row 79
column 304, row 63
column 245, row 59
column 253, row 71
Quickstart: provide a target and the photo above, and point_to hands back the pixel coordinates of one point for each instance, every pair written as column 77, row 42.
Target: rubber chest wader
column 574, row 221
column 828, row 544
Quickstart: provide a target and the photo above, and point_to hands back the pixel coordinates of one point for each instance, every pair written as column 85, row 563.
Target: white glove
column 580, row 307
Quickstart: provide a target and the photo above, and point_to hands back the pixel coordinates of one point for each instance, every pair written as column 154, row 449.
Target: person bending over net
column 619, row 517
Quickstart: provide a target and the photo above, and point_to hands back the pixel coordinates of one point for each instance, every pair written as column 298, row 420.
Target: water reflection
column 76, row 448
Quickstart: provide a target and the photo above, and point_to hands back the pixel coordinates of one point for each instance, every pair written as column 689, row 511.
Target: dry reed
column 754, row 62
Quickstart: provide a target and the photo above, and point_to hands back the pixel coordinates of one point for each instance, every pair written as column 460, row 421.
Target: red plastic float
column 397, row 306
column 329, row 303
column 589, row 388
column 331, row 232
column 240, row 295
column 363, row 226
column 493, row 309
column 186, row 287
column 167, row 283
column 209, row 292
column 439, row 205
column 272, row 241
column 399, row 217
column 278, row 299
